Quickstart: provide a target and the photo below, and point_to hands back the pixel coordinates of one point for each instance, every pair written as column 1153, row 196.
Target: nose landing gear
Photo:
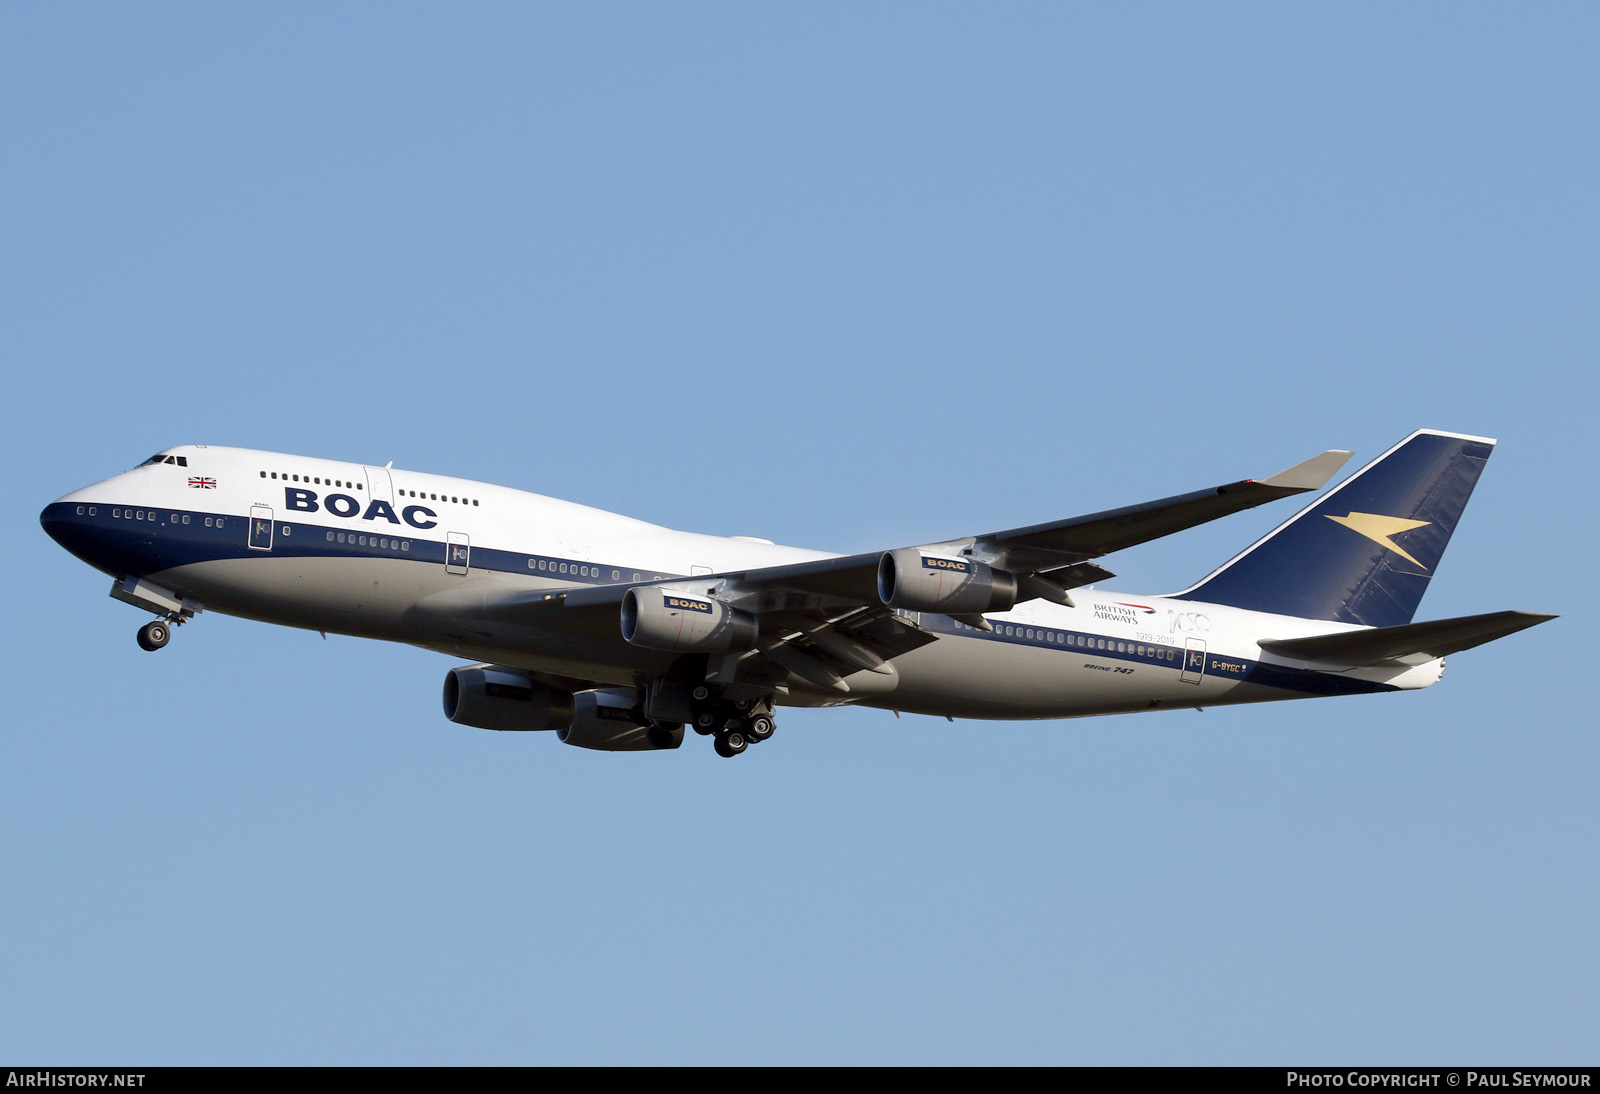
column 154, row 635
column 158, row 632
column 173, row 608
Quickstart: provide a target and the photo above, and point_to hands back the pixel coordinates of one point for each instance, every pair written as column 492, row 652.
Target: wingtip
column 1312, row 474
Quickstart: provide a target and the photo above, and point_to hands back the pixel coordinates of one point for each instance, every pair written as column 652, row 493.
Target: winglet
column 1313, row 474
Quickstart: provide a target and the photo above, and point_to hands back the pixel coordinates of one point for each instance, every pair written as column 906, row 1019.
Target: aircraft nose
column 62, row 524
column 75, row 526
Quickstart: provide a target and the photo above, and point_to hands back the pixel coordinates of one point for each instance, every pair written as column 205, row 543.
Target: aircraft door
column 1194, row 661
column 457, row 552
column 379, row 487
column 260, row 528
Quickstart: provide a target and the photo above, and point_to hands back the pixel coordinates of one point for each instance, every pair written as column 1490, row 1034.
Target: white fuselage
column 399, row 555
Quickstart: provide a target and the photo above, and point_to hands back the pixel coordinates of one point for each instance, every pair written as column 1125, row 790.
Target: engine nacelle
column 609, row 720
column 661, row 619
column 495, row 697
column 917, row 582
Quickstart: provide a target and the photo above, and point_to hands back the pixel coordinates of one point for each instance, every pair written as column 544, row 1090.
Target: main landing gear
column 734, row 725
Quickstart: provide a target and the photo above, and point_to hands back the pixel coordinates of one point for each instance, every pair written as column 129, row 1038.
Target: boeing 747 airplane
column 616, row 634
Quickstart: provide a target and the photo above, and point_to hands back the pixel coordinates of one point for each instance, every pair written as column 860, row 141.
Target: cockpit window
column 181, row 461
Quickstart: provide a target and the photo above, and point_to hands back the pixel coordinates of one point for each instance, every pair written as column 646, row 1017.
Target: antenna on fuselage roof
column 388, row 465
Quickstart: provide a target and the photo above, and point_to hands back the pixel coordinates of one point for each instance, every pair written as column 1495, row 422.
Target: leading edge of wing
column 1060, row 543
column 853, row 579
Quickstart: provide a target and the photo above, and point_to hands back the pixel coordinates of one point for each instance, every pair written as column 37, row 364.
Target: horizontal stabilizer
column 1434, row 639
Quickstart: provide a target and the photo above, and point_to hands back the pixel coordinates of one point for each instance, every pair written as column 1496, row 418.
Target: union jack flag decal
column 203, row 484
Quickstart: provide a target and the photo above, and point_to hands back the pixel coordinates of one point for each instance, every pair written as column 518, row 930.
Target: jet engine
column 661, row 619
column 609, row 720
column 495, row 697
column 917, row 582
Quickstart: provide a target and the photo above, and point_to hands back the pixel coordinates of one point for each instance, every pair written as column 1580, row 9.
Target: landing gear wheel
column 760, row 728
column 706, row 722
column 665, row 734
column 154, row 635
column 731, row 742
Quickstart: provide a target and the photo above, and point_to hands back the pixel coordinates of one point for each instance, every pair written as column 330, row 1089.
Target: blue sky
column 845, row 276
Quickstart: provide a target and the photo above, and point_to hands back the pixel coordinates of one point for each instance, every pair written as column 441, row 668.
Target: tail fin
column 1364, row 552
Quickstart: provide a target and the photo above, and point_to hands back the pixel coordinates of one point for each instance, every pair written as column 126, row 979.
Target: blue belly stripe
column 148, row 547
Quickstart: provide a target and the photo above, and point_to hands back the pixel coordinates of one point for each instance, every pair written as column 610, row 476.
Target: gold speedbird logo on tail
column 1379, row 528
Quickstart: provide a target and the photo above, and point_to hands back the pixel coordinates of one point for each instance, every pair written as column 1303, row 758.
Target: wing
column 826, row 619
column 1058, row 551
